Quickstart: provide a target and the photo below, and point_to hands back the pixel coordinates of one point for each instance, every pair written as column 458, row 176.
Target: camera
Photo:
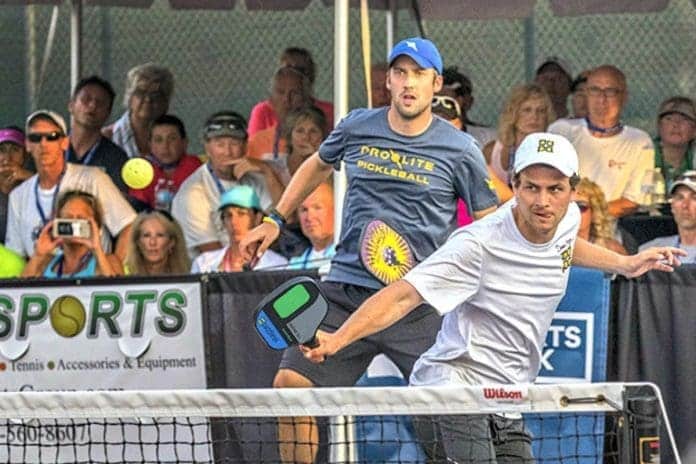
column 71, row 228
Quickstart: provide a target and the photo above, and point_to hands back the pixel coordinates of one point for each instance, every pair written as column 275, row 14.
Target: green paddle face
column 291, row 314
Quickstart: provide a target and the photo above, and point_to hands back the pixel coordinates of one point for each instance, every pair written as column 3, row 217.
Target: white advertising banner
column 99, row 337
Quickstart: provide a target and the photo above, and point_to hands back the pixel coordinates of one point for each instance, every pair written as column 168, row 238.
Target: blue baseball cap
column 242, row 196
column 422, row 51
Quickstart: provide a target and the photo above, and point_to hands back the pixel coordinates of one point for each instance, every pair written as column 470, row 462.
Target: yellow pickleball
column 137, row 173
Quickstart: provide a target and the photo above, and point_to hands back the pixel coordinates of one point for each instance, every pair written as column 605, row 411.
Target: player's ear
column 437, row 83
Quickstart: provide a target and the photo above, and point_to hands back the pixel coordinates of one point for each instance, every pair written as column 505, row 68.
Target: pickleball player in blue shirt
column 405, row 170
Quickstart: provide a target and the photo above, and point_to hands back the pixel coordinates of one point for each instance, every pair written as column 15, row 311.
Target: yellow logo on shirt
column 566, row 258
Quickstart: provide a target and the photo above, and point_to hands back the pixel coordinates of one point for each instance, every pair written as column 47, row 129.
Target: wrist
column 275, row 217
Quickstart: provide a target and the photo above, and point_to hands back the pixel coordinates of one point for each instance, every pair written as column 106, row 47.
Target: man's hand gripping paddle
column 291, row 314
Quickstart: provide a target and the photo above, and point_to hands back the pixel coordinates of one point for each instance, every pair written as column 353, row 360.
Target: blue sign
column 567, row 355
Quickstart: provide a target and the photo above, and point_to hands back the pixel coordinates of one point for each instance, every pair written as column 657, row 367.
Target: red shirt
column 185, row 168
column 263, row 116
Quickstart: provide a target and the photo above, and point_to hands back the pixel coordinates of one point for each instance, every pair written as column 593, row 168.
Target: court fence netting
column 570, row 423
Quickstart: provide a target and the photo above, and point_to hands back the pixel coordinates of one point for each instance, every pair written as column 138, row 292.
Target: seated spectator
column 90, row 106
column 172, row 165
column 578, row 95
column 459, row 86
column 69, row 257
column 676, row 129
column 528, row 109
column 317, row 222
column 303, row 131
column 156, row 246
column 11, row 264
column 683, row 204
column 265, row 114
column 289, row 92
column 240, row 211
column 378, row 85
column 149, row 89
column 611, row 154
column 555, row 76
column 32, row 203
column 596, row 225
column 13, row 170
column 195, row 204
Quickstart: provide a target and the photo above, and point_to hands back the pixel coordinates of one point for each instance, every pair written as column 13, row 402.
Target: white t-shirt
column 23, row 216
column 195, row 206
column 498, row 293
column 617, row 164
column 210, row 261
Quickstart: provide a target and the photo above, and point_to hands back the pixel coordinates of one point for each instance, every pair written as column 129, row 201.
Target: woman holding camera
column 69, row 246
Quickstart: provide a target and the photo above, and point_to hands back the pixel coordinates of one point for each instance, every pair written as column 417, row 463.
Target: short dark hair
column 451, row 77
column 310, row 70
column 169, row 120
column 98, row 81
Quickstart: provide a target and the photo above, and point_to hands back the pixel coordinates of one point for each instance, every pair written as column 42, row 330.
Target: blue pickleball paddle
column 291, row 314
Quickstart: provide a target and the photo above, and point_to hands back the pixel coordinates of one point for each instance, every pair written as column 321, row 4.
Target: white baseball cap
column 545, row 148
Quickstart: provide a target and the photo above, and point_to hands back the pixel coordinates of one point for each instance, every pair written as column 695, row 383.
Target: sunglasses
column 446, row 105
column 35, row 137
column 583, row 206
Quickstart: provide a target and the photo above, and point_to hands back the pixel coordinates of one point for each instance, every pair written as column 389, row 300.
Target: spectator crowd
column 197, row 209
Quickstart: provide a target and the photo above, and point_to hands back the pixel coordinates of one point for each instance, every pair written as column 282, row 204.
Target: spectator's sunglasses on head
column 35, row 137
column 582, row 205
column 445, row 105
column 220, row 123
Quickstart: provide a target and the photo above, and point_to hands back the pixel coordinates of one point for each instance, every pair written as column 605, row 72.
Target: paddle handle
column 313, row 343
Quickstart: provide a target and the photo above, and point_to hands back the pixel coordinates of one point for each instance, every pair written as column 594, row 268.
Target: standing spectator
column 265, row 114
column 66, row 257
column 171, row 164
column 149, row 89
column 13, row 172
column 317, row 222
column 676, row 128
column 33, row 203
column 240, row 211
column 596, row 225
column 195, row 204
column 578, row 99
column 156, row 246
column 459, row 86
column 613, row 155
column 555, row 76
column 89, row 107
column 289, row 91
column 683, row 204
column 378, row 85
column 528, row 109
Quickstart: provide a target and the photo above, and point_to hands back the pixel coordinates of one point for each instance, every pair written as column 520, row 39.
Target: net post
column 642, row 425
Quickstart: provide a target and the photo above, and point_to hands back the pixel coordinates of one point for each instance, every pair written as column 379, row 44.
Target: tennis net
column 573, row 423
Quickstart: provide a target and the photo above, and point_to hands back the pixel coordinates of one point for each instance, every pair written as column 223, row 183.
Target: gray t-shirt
column 410, row 183
column 673, row 241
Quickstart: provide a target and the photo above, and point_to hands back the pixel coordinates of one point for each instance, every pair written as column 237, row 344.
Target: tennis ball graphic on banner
column 67, row 316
